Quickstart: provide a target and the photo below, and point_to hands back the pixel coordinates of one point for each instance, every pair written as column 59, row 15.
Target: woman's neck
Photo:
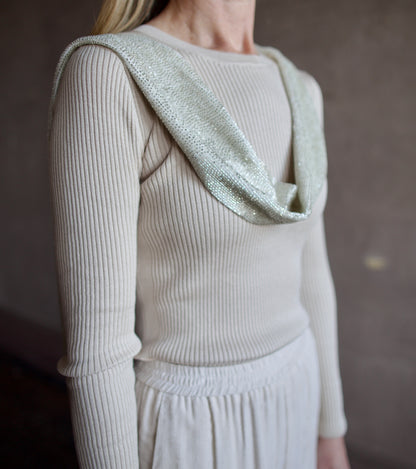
column 225, row 25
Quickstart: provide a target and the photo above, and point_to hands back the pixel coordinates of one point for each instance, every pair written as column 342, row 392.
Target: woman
column 231, row 324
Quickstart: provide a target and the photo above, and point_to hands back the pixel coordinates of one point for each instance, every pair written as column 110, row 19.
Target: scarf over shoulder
column 220, row 154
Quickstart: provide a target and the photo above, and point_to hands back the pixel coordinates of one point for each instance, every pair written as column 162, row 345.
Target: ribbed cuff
column 333, row 429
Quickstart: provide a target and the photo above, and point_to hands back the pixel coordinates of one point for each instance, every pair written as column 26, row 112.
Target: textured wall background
column 362, row 54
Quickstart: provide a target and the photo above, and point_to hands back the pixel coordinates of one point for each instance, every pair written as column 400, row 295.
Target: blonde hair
column 123, row 15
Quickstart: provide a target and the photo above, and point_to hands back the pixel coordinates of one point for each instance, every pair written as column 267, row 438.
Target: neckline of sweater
column 193, row 49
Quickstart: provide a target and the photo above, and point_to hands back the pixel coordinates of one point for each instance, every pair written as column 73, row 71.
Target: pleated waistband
column 192, row 380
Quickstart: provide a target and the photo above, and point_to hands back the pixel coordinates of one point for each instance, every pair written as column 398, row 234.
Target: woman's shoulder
column 90, row 57
column 307, row 78
column 87, row 69
column 95, row 73
column 315, row 92
column 310, row 82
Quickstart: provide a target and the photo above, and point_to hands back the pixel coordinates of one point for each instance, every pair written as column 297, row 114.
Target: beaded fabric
column 217, row 149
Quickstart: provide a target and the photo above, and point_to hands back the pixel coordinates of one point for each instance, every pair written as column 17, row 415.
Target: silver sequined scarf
column 220, row 154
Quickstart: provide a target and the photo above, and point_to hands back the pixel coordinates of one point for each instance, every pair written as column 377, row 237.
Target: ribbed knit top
column 152, row 266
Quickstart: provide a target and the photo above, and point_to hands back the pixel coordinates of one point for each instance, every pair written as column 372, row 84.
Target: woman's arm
column 96, row 144
column 319, row 297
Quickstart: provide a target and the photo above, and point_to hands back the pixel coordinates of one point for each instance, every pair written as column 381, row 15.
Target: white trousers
column 260, row 414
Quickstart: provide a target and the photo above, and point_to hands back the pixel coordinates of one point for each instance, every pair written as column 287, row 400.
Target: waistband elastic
column 225, row 379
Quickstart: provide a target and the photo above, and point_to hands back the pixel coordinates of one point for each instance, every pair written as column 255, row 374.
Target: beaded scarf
column 217, row 149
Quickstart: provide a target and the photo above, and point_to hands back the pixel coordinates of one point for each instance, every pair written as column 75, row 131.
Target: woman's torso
column 211, row 287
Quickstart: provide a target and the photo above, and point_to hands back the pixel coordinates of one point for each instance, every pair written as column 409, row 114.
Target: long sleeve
column 319, row 297
column 96, row 144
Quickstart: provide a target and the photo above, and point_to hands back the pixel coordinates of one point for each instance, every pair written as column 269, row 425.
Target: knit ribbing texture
column 150, row 265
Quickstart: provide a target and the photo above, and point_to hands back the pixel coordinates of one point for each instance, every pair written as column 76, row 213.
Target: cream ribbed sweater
column 151, row 265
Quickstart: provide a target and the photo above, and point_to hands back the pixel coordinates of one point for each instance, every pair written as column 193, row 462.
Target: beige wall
column 362, row 54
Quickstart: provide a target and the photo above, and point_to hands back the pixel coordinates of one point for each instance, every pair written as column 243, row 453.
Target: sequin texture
column 217, row 149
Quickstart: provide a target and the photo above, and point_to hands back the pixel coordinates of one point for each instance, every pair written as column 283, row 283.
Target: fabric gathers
column 219, row 152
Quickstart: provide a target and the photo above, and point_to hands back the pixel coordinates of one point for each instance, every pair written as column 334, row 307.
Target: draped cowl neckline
column 217, row 149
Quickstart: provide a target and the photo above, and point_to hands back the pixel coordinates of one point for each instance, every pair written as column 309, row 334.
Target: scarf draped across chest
column 217, row 149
